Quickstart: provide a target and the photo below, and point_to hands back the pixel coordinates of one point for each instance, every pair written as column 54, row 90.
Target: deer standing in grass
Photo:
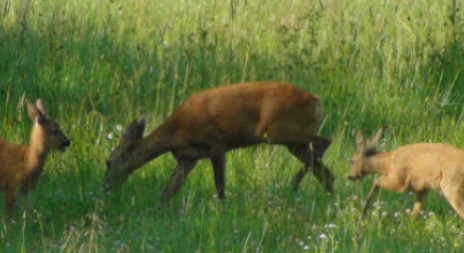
column 21, row 166
column 211, row 122
column 416, row 167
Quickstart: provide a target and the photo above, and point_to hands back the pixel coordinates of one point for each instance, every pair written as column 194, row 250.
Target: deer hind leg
column 303, row 154
column 311, row 155
column 278, row 126
column 458, row 204
column 218, row 162
column 321, row 171
column 455, row 196
column 183, row 168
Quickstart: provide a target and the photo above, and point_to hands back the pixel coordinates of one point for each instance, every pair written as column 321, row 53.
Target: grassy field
column 100, row 64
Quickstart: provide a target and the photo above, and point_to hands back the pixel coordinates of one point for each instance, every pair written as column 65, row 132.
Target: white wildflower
column 323, row 236
column 330, row 225
column 119, row 128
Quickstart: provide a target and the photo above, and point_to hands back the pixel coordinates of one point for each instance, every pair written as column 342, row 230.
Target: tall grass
column 100, row 64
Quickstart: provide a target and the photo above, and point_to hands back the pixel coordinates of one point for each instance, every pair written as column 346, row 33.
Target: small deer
column 20, row 166
column 416, row 167
column 211, row 122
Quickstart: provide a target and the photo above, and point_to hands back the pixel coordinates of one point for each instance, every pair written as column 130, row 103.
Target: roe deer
column 415, row 167
column 211, row 122
column 20, row 166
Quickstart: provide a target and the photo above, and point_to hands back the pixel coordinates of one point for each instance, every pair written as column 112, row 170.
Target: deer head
column 364, row 149
column 47, row 130
column 118, row 165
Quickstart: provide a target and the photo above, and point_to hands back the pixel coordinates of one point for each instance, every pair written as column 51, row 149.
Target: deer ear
column 134, row 131
column 34, row 113
column 375, row 139
column 353, row 132
column 140, row 129
column 39, row 104
column 382, row 146
column 360, row 141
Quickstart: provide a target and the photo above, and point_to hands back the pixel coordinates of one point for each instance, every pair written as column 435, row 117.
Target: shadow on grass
column 447, row 76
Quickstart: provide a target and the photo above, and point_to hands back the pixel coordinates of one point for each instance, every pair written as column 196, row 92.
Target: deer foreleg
column 389, row 183
column 10, row 199
column 374, row 188
column 218, row 162
column 420, row 198
column 183, row 168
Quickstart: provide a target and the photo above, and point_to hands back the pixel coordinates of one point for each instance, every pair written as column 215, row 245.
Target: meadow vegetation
column 98, row 65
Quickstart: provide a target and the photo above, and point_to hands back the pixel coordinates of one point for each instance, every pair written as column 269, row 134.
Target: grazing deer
column 20, row 166
column 415, row 167
column 211, row 122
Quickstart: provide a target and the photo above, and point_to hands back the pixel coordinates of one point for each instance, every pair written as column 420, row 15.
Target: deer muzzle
column 66, row 143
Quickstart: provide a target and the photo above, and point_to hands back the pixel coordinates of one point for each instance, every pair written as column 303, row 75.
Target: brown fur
column 416, row 167
column 211, row 122
column 21, row 166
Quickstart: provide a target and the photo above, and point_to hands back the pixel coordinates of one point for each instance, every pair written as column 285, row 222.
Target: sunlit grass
column 101, row 64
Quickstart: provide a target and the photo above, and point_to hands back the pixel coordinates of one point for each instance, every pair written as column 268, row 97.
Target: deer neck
column 36, row 152
column 378, row 163
column 153, row 145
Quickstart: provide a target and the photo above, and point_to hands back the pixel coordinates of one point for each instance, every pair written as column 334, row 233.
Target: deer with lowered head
column 212, row 122
column 415, row 167
column 21, row 166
